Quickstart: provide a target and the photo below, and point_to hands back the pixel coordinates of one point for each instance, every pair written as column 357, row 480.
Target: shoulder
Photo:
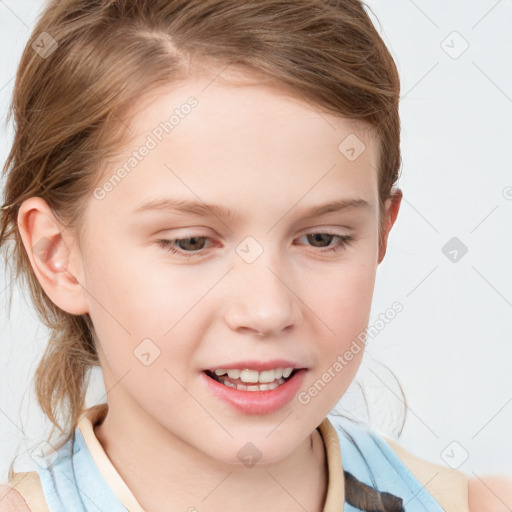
column 434, row 486
column 11, row 500
column 452, row 488
column 448, row 486
column 491, row 493
column 23, row 493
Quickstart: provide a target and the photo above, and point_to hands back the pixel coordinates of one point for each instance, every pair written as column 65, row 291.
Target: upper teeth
column 255, row 376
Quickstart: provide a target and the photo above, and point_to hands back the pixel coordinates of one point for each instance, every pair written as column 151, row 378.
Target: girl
column 199, row 194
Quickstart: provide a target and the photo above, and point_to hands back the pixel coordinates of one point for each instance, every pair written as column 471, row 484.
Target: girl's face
column 259, row 261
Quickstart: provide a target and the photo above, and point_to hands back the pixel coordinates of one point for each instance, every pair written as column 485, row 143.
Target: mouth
column 254, row 392
column 251, row 380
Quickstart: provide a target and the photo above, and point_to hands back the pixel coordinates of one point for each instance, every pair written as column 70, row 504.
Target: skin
column 267, row 156
column 490, row 493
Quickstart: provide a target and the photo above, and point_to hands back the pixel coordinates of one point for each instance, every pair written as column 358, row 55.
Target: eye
column 341, row 242
column 170, row 245
column 194, row 245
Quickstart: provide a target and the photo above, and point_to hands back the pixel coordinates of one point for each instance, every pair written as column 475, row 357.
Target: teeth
column 249, row 376
column 261, row 387
column 287, row 372
column 268, row 376
column 234, row 374
column 255, row 377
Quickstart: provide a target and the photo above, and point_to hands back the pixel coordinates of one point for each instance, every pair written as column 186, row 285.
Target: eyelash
column 168, row 245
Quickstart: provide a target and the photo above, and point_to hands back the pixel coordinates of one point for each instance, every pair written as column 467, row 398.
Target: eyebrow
column 207, row 209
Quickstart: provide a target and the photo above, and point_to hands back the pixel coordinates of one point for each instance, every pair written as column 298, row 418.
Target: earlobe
column 48, row 250
column 392, row 208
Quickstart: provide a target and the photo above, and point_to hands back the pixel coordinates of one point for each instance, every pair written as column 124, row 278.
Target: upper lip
column 256, row 365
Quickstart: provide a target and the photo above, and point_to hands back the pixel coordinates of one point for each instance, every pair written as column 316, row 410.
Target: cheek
column 343, row 294
column 141, row 314
column 343, row 302
column 131, row 290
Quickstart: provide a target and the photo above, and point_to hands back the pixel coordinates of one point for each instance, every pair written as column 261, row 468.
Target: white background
column 451, row 346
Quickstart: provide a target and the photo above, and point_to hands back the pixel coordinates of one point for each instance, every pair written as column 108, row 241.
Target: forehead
column 237, row 96
column 246, row 138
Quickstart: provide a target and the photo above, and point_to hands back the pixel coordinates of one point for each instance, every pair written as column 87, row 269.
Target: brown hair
column 108, row 54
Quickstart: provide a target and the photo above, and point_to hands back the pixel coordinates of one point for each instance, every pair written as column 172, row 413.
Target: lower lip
column 257, row 402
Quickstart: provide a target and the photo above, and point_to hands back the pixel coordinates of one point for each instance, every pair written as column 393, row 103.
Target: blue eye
column 172, row 244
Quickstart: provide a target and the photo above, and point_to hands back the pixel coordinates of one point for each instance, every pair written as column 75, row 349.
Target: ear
column 391, row 211
column 53, row 255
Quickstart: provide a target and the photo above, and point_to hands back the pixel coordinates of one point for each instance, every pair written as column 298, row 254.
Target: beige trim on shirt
column 335, row 497
column 109, row 473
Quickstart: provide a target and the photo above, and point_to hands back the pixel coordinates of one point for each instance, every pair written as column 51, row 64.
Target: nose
column 261, row 299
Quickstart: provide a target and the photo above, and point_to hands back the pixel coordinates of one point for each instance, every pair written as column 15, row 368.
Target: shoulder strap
column 29, row 486
column 448, row 486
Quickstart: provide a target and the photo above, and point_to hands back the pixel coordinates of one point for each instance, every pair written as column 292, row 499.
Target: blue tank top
column 73, row 482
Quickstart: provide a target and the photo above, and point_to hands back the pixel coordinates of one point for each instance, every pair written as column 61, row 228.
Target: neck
column 165, row 472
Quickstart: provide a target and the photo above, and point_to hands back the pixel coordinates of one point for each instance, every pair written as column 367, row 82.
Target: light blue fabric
column 388, row 473
column 72, row 483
